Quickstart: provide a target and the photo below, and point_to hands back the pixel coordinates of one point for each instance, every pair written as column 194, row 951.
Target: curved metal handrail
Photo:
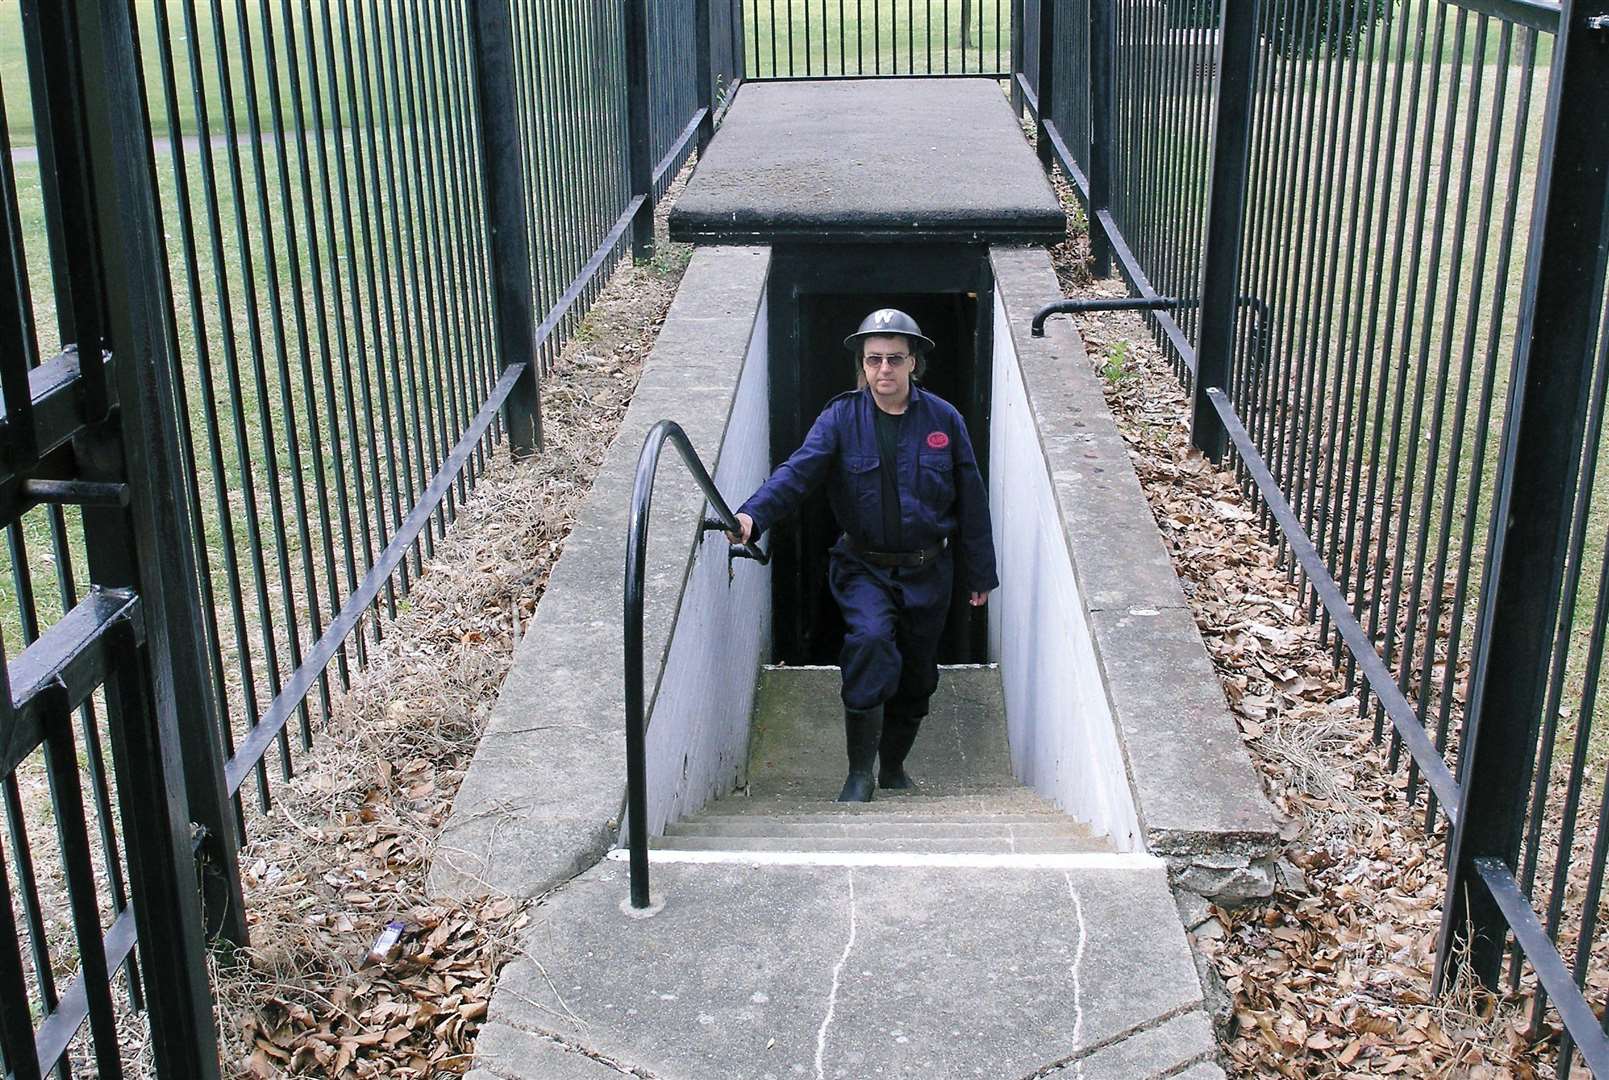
column 642, row 495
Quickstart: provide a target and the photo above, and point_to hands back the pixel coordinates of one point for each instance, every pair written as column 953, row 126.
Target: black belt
column 903, row 559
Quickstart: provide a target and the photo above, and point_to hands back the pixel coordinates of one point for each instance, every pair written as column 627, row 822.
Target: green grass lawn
column 1428, row 220
column 257, row 361
column 14, row 63
column 851, row 37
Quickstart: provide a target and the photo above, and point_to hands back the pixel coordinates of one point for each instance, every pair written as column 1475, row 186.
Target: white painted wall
column 1063, row 739
column 698, row 719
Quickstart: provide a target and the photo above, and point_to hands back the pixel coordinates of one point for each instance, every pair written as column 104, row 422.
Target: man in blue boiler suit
column 906, row 490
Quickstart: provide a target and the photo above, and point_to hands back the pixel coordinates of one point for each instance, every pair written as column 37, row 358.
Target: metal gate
column 92, row 717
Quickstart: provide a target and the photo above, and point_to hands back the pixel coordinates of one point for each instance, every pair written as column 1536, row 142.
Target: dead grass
column 345, row 851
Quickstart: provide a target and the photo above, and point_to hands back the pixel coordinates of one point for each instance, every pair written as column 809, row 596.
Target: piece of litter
column 388, row 944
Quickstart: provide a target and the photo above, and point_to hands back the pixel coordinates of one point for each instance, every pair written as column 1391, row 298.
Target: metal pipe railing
column 642, row 495
column 1259, row 308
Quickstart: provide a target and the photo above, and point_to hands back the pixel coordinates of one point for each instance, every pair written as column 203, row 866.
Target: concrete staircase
column 966, row 803
column 966, row 800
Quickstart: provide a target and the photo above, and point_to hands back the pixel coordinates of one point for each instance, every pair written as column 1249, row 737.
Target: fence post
column 164, row 728
column 1226, row 213
column 1538, row 470
column 1046, row 89
column 503, row 188
column 704, row 71
column 1016, row 57
column 1102, row 46
column 637, row 128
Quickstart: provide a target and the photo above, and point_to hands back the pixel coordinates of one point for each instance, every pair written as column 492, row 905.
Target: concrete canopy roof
column 869, row 160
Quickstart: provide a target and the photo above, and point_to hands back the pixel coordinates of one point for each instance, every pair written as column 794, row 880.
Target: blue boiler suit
column 893, row 616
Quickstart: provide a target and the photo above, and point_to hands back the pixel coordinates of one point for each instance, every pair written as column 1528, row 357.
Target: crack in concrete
column 1078, row 962
column 837, row 972
column 621, row 1067
column 1124, row 1035
column 1189, row 1063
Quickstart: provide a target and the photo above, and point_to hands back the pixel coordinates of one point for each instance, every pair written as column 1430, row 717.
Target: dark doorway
column 819, row 295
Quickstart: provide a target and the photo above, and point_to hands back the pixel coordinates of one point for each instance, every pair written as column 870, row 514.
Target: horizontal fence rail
column 1383, row 188
column 379, row 223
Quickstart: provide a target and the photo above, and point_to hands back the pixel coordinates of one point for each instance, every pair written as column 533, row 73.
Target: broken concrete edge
column 543, row 797
column 506, row 1053
column 1199, row 799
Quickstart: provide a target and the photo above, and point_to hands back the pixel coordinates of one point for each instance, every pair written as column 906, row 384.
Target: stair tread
column 1013, row 800
column 879, row 845
column 849, row 820
column 856, row 827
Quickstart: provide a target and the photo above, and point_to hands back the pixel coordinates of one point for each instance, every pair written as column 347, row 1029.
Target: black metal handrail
column 1261, row 317
column 642, row 495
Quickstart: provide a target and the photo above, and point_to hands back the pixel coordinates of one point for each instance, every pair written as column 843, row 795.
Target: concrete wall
column 1198, row 801
column 542, row 800
column 1063, row 739
column 698, row 733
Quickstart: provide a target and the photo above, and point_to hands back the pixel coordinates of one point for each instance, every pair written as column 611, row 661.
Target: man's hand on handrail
column 748, row 530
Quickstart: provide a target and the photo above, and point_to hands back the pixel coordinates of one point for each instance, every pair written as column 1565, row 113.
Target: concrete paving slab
column 814, row 162
column 797, row 745
column 859, row 972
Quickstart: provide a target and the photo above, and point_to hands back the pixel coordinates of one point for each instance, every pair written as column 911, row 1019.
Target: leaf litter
column 1331, row 977
column 325, row 988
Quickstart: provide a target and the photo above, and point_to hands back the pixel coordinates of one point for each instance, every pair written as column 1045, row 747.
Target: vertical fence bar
column 1016, row 55
column 637, row 126
column 1047, row 79
column 1541, row 453
column 1226, row 213
column 1102, row 46
column 503, row 187
column 704, row 72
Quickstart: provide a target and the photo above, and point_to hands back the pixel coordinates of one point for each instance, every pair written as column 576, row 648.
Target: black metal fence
column 275, row 278
column 1385, row 226
column 809, row 39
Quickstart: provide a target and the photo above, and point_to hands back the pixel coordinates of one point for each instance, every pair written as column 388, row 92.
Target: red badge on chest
column 938, row 440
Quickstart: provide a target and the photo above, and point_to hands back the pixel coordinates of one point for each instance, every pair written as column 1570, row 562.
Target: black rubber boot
column 899, row 733
column 862, row 729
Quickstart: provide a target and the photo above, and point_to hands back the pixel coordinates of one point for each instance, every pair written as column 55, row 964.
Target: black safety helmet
column 886, row 321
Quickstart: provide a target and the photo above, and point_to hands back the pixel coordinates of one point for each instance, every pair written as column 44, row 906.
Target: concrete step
column 908, row 825
column 1008, row 801
column 879, row 844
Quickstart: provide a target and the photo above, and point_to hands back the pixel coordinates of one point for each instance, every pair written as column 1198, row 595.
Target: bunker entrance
column 817, row 296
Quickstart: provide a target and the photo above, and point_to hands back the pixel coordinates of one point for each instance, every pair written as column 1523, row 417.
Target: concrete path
column 810, row 957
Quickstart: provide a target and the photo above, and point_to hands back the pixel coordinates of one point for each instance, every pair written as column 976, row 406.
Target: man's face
column 888, row 363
